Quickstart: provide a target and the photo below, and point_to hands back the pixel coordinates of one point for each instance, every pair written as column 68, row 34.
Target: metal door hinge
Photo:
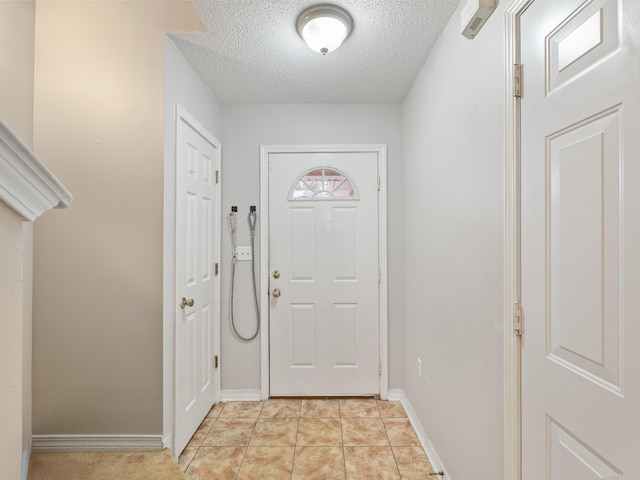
column 378, row 183
column 217, row 176
column 217, row 268
column 517, row 319
column 379, row 275
column 216, row 361
column 379, row 368
column 517, row 80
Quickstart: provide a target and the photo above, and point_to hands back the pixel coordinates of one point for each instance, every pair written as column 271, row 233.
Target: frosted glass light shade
column 324, row 27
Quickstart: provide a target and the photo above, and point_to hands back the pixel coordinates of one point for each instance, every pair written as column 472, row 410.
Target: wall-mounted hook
column 252, row 208
column 234, row 209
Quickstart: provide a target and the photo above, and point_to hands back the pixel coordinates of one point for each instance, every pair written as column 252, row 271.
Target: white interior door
column 580, row 240
column 324, row 273
column 197, row 251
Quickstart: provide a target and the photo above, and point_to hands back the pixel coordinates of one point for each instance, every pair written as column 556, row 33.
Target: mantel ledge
column 26, row 185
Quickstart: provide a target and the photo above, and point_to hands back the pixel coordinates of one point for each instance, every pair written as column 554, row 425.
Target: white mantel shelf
column 26, row 185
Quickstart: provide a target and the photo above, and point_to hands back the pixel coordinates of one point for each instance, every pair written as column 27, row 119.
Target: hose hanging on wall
column 232, row 223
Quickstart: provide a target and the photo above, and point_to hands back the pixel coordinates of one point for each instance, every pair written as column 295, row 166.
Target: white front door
column 580, row 210
column 197, row 284
column 324, row 273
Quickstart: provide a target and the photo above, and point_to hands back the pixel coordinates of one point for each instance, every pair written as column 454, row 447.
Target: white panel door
column 580, row 220
column 197, row 246
column 324, row 326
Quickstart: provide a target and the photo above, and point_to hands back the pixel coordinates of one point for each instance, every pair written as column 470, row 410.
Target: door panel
column 324, row 328
column 197, row 235
column 580, row 238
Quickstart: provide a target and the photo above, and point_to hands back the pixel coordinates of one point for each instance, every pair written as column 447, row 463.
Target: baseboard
column 396, row 395
column 399, row 395
column 90, row 443
column 248, row 395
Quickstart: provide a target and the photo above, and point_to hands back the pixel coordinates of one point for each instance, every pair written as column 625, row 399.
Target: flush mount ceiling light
column 324, row 27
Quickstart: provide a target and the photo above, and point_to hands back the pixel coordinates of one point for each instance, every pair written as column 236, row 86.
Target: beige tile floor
column 306, row 439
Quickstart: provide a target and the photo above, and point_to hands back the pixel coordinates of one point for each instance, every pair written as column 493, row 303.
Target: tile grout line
column 295, row 444
column 395, row 460
column 344, row 451
column 200, row 446
column 246, row 448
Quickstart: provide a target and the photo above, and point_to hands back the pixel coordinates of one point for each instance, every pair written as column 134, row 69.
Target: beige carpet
column 104, row 466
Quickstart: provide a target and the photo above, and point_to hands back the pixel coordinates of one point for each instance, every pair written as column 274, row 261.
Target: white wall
column 452, row 123
column 244, row 129
column 181, row 85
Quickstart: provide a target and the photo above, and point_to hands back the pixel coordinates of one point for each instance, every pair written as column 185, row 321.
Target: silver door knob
column 276, row 293
column 186, row 303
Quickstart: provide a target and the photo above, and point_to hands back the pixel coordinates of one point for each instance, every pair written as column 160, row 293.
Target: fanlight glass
column 323, row 183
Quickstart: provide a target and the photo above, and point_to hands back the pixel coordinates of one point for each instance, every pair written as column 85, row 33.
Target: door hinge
column 379, row 368
column 517, row 80
column 217, row 176
column 216, row 361
column 517, row 319
column 217, row 268
column 379, row 275
column 378, row 183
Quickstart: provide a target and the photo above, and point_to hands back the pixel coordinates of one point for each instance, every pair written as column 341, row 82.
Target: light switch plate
column 243, row 253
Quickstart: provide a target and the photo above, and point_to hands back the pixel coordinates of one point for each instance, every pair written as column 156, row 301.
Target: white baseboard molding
column 399, row 395
column 240, row 395
column 91, row 443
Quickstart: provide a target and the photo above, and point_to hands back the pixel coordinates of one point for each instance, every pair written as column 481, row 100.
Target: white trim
column 382, row 264
column 169, row 273
column 27, row 186
column 90, row 443
column 240, row 395
column 512, row 343
column 399, row 395
column 26, row 454
column 381, row 150
column 395, row 395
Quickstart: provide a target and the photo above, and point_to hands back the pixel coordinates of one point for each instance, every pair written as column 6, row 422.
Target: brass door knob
column 276, row 274
column 276, row 293
column 186, row 303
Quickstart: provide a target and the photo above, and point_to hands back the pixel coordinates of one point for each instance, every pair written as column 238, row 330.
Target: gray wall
column 452, row 123
column 181, row 85
column 244, row 129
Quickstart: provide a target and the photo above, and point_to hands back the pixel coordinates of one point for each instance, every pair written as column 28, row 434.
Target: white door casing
column 328, row 327
column 580, row 239
column 197, row 384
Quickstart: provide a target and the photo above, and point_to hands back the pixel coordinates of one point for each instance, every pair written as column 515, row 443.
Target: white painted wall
column 452, row 122
column 181, row 85
column 244, row 129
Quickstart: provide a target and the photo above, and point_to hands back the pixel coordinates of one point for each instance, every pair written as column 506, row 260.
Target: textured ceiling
column 252, row 52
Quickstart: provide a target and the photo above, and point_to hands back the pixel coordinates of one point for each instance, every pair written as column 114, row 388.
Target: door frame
column 169, row 274
column 512, row 270
column 381, row 151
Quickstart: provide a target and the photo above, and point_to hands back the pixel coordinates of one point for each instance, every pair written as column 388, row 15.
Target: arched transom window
column 323, row 183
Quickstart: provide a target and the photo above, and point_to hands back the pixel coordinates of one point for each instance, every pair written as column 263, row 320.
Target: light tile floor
column 306, row 439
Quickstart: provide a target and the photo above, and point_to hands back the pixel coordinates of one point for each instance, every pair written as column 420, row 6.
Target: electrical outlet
column 243, row 253
column 419, row 371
